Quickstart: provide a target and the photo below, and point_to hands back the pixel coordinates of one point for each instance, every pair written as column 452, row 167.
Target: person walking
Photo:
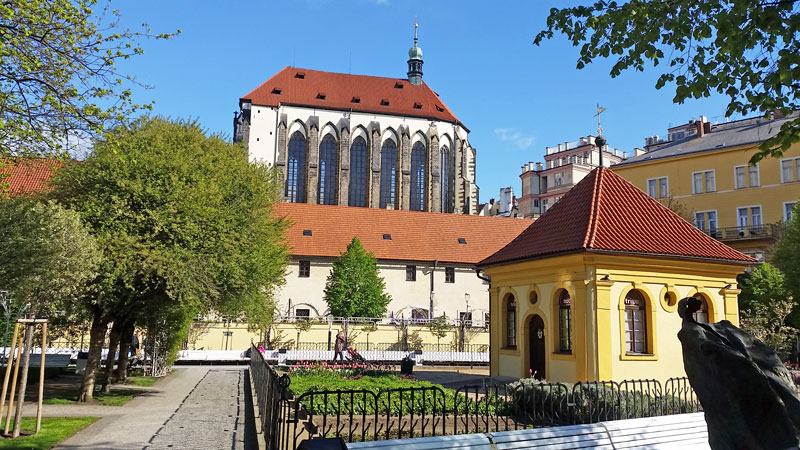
column 338, row 347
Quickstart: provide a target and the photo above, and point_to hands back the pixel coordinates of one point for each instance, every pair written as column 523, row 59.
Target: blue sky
column 516, row 98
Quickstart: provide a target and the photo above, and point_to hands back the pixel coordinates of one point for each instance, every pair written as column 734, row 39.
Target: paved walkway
column 196, row 407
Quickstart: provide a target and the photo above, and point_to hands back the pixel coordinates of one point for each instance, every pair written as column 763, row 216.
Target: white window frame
column 758, row 176
column 736, row 178
column 704, row 181
column 785, row 216
column 794, row 169
column 750, row 223
column 706, row 221
column 657, row 190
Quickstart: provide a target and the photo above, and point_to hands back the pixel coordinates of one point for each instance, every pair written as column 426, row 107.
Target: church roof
column 27, row 175
column 325, row 231
column 318, row 89
column 606, row 213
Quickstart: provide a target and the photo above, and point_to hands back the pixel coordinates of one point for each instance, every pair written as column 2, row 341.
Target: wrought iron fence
column 361, row 415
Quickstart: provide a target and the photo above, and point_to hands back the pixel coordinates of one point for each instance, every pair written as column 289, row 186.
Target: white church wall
column 263, row 136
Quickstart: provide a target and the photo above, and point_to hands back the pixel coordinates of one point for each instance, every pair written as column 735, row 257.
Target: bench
column 679, row 431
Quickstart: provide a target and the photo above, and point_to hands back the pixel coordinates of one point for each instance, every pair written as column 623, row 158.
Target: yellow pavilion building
column 589, row 291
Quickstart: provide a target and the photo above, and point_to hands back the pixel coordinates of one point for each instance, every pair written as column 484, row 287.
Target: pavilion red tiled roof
column 27, row 175
column 606, row 213
column 315, row 88
column 415, row 236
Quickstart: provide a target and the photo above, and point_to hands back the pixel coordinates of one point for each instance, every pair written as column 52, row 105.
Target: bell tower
column 415, row 61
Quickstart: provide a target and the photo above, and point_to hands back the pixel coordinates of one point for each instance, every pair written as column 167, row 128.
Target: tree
column 439, row 328
column 678, row 208
column 766, row 306
column 185, row 225
column 761, row 285
column 59, row 78
column 369, row 329
column 354, row 287
column 787, row 255
column 746, row 50
column 47, row 258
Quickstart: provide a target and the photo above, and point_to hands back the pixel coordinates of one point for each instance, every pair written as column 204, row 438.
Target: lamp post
column 329, row 318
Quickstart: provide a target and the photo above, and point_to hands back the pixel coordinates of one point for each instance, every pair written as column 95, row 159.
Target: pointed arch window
column 445, row 179
column 418, row 159
column 388, row 173
column 358, row 173
column 296, row 169
column 635, row 322
column 327, row 171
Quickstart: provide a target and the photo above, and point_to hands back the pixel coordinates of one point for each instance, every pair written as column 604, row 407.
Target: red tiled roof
column 415, row 236
column 27, row 175
column 340, row 89
column 606, row 213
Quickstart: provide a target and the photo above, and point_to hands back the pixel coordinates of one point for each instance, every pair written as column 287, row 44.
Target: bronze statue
column 748, row 396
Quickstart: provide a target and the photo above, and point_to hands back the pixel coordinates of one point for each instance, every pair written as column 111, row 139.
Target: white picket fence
column 390, row 356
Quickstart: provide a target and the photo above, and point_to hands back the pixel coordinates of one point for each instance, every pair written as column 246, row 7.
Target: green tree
column 47, row 259
column 761, row 285
column 766, row 306
column 354, row 287
column 439, row 328
column 787, row 255
column 185, row 226
column 747, row 50
column 59, row 78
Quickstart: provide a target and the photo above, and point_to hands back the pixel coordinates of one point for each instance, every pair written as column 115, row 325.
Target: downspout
column 430, row 312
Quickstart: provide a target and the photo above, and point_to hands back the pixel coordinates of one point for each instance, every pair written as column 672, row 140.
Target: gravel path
column 195, row 408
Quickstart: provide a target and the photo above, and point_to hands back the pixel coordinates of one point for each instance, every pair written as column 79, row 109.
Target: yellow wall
column 598, row 351
column 770, row 195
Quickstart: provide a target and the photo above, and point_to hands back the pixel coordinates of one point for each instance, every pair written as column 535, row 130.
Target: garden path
column 196, row 407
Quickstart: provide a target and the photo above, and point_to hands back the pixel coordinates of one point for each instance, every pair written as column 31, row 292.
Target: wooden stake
column 9, row 368
column 23, row 381
column 41, row 379
column 13, row 388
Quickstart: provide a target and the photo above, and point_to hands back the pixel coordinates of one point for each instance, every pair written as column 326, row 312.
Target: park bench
column 679, row 431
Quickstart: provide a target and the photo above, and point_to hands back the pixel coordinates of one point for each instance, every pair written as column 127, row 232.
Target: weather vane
column 600, row 110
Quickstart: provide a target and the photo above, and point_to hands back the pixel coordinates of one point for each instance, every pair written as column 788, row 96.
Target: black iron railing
column 365, row 415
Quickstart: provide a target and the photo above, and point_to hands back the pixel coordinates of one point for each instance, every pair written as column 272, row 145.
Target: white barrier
column 188, row 356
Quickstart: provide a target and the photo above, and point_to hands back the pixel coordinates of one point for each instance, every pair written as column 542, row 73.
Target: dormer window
column 320, row 96
column 356, row 100
column 384, row 102
column 276, row 91
column 306, row 232
column 417, row 105
column 300, row 75
column 439, row 108
column 398, row 85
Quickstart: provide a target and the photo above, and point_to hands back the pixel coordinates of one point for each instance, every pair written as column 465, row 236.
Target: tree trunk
column 124, row 350
column 97, row 337
column 113, row 345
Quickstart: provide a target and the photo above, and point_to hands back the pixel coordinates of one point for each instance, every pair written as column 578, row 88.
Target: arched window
column 511, row 322
column 564, row 322
column 418, row 177
column 358, row 173
column 635, row 322
column 701, row 315
column 388, row 173
column 327, row 171
column 296, row 169
column 445, row 174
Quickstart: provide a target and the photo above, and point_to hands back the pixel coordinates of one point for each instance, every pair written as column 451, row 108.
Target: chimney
column 700, row 128
column 538, row 166
column 707, row 127
column 638, row 151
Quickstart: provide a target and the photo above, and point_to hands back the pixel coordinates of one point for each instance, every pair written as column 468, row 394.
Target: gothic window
column 511, row 322
column 564, row 322
column 296, row 169
column 445, row 176
column 418, row 177
column 635, row 323
column 358, row 173
column 327, row 171
column 388, row 173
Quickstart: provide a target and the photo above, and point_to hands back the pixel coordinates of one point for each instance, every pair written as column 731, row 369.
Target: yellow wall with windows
column 771, row 193
column 597, row 307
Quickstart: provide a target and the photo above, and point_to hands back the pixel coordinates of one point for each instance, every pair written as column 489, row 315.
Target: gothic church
column 358, row 140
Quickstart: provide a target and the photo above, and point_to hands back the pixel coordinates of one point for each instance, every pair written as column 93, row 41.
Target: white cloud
column 514, row 136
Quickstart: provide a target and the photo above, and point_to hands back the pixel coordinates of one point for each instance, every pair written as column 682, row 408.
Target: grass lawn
column 54, row 430
column 114, row 398
column 142, row 380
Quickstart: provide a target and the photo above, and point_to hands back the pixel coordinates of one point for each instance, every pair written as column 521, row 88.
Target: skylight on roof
column 300, row 75
column 384, row 102
column 417, row 105
column 356, row 100
column 387, row 237
column 306, row 232
column 320, row 96
column 276, row 91
column 398, row 85
column 439, row 108
column 462, row 241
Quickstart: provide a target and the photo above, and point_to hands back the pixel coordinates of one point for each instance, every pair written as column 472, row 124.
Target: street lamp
column 329, row 318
